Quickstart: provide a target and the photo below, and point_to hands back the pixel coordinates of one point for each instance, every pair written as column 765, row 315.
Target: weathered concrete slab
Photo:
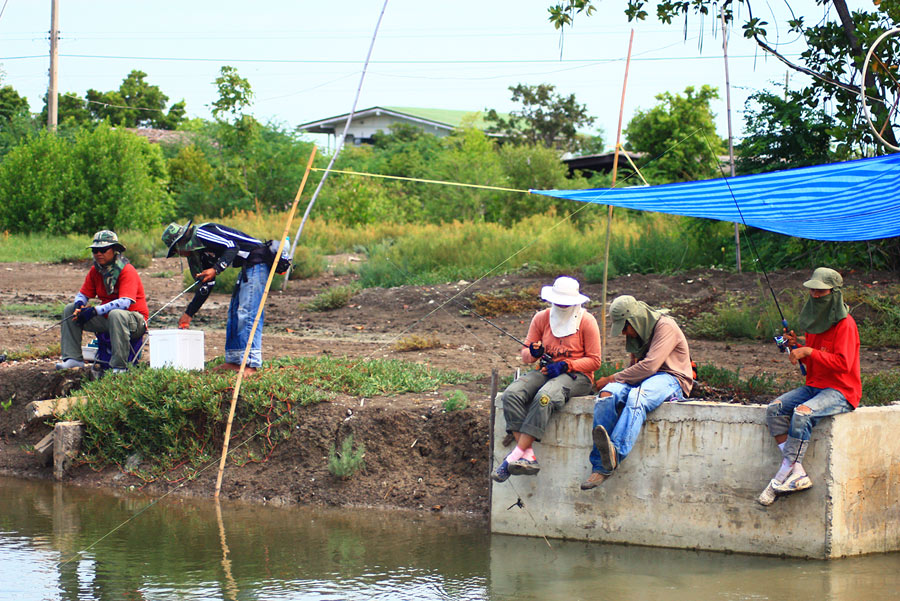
column 66, row 446
column 37, row 410
column 693, row 478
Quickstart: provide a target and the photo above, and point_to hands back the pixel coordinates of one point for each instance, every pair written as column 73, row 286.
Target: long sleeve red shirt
column 834, row 362
column 580, row 351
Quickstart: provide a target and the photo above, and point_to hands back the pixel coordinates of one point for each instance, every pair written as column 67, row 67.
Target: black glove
column 78, row 304
column 557, row 368
column 86, row 314
column 536, row 352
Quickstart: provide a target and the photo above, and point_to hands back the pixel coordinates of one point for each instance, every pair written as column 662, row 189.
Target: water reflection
column 67, row 543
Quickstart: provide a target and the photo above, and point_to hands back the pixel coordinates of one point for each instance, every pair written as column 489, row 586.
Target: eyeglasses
column 100, row 251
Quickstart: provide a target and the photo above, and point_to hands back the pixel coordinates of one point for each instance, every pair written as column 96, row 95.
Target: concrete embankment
column 693, row 478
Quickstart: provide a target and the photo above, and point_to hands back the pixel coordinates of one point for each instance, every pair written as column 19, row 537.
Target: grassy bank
column 172, row 422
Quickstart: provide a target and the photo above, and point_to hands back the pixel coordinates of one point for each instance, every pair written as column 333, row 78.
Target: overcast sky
column 303, row 59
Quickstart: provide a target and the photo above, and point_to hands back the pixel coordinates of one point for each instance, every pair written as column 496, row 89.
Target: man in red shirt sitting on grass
column 833, row 385
column 123, row 312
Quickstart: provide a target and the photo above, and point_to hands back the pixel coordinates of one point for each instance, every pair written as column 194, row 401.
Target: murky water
column 59, row 542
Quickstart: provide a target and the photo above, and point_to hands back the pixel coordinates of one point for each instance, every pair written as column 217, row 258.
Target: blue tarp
column 855, row 200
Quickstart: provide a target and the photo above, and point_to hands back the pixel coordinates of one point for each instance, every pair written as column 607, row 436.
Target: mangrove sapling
column 347, row 461
column 457, row 400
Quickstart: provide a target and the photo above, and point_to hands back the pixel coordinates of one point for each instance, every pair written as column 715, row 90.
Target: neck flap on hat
column 110, row 274
column 643, row 319
column 564, row 321
column 820, row 314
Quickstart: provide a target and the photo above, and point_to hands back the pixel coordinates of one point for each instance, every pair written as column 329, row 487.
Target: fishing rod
column 780, row 341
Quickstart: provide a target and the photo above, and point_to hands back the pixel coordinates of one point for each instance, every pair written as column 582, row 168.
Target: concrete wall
column 693, row 478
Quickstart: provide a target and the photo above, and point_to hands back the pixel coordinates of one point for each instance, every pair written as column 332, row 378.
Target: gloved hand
column 556, row 368
column 78, row 304
column 85, row 315
column 536, row 349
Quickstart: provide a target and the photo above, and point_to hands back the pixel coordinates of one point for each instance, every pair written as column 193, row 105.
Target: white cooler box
column 181, row 349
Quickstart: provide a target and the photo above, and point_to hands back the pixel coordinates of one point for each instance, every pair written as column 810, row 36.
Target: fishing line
column 282, row 418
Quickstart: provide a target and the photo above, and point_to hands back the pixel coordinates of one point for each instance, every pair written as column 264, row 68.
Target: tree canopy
column 678, row 136
column 836, row 46
column 546, row 118
column 136, row 103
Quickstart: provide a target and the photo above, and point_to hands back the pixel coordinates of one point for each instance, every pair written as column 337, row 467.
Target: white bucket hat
column 564, row 292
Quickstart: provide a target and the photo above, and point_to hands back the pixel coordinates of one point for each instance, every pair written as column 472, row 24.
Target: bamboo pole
column 610, row 208
column 262, row 304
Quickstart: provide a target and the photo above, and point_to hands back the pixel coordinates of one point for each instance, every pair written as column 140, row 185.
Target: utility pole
column 52, row 90
column 737, row 233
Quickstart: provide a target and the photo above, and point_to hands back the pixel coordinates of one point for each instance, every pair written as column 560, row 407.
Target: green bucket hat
column 173, row 234
column 824, row 278
column 105, row 239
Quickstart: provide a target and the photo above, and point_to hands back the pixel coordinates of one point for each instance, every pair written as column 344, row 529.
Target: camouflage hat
column 824, row 278
column 105, row 239
column 173, row 234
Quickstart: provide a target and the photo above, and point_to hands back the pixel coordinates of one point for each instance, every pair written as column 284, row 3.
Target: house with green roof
column 366, row 122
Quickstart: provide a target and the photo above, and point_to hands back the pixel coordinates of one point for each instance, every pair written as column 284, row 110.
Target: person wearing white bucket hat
column 565, row 340
column 660, row 371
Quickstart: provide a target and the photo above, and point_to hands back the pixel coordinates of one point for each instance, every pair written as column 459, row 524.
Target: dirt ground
column 417, row 456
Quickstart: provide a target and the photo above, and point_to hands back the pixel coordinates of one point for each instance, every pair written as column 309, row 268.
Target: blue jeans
column 241, row 312
column 782, row 416
column 623, row 412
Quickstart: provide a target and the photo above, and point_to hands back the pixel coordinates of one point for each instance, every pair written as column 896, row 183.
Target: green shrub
column 881, row 388
column 102, row 179
column 347, row 461
column 457, row 400
column 722, row 377
column 308, row 263
column 333, row 298
column 173, row 417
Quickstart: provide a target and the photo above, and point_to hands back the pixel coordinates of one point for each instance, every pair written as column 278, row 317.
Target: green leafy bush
column 881, row 388
column 457, row 400
column 103, row 178
column 175, row 418
column 348, row 460
column 333, row 298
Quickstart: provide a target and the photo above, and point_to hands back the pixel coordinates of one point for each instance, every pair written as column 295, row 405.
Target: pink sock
column 529, row 454
column 515, row 455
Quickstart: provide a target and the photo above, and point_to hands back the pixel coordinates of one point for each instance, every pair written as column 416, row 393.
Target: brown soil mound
column 417, row 456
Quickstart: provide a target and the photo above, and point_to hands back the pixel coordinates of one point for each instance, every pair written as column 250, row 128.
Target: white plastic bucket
column 181, row 349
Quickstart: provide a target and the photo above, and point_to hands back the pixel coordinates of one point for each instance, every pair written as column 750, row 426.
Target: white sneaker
column 69, row 364
column 793, row 483
column 768, row 495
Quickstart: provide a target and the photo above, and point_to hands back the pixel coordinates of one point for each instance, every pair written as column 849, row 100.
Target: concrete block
column 37, row 410
column 66, row 446
column 693, row 477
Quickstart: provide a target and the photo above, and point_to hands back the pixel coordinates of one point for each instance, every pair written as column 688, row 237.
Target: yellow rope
column 424, row 181
column 633, row 166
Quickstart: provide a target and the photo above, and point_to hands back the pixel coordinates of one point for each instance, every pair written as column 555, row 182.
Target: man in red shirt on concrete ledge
column 123, row 312
column 833, row 385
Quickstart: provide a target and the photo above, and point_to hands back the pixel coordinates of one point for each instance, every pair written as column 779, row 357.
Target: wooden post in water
column 262, row 304
column 610, row 211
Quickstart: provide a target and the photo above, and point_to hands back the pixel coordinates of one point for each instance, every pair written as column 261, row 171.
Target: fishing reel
column 545, row 360
column 782, row 344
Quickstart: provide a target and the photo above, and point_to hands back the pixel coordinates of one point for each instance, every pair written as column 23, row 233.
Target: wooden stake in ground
column 262, row 304
column 610, row 211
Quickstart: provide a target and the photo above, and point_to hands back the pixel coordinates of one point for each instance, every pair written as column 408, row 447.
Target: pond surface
column 59, row 542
